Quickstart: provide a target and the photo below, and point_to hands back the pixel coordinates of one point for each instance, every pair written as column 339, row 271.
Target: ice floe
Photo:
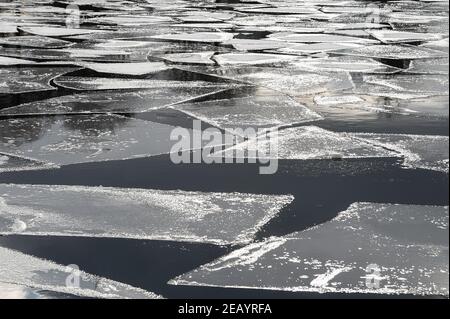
column 254, row 45
column 370, row 248
column 18, row 80
column 304, row 48
column 23, row 270
column 5, row 61
column 306, row 143
column 429, row 66
column 208, row 37
column 116, row 102
column 138, row 68
column 394, row 36
column 35, row 42
column 80, row 139
column 395, row 52
column 46, row 31
column 266, row 109
column 217, row 218
column 319, row 38
column 252, row 58
column 9, row 163
column 345, row 64
column 420, row 151
column 190, row 58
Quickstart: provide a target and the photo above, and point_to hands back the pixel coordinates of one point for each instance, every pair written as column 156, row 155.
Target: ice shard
column 133, row 69
column 35, row 274
column 5, row 61
column 217, row 218
column 46, row 31
column 319, row 38
column 207, row 37
column 306, row 143
column 83, row 138
column 394, row 36
column 263, row 110
column 429, row 66
column 419, row 151
column 190, row 58
column 370, row 248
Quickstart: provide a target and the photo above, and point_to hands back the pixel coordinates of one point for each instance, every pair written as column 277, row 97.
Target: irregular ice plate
column 208, row 37
column 93, row 83
column 394, row 36
column 396, row 52
column 116, row 101
column 18, row 80
column 252, row 58
column 24, row 270
column 407, row 244
column 5, row 61
column 35, row 42
column 345, row 64
column 138, row 68
column 429, row 66
column 306, row 143
column 304, row 48
column 254, row 45
column 190, row 58
column 217, row 218
column 57, row 31
column 80, row 139
column 420, row 151
column 9, row 163
column 263, row 109
column 319, row 38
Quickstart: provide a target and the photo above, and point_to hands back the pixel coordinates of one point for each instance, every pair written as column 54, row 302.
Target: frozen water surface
column 28, row 272
column 9, row 163
column 396, row 52
column 319, row 38
column 5, row 61
column 208, row 37
column 218, row 218
column 80, row 139
column 57, row 31
column 307, row 143
column 345, row 64
column 429, row 66
column 116, row 101
column 393, row 36
column 138, row 68
column 190, row 58
column 369, row 248
column 267, row 109
column 420, row 151
column 252, row 58
column 35, row 42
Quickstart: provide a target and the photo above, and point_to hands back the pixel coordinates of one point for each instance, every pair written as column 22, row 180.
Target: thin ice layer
column 81, row 139
column 35, row 42
column 138, row 68
column 252, row 58
column 93, row 83
column 190, row 57
column 10, row 163
column 369, row 248
column 319, row 38
column 117, row 102
column 420, row 151
column 394, row 36
column 46, row 31
column 395, row 52
column 345, row 64
column 218, row 218
column 306, row 143
column 27, row 271
column 261, row 110
column 18, row 80
column 207, row 37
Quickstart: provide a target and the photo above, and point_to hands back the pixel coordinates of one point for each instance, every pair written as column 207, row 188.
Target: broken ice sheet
column 255, row 45
column 80, row 83
column 262, row 109
column 23, row 270
column 319, row 38
column 306, row 10
column 81, row 139
column 345, row 64
column 369, row 248
column 429, row 66
column 46, row 31
column 5, row 61
column 190, row 58
column 207, row 37
column 116, row 102
column 304, row 48
column 9, row 163
column 307, row 143
column 35, row 42
column 393, row 36
column 441, row 45
column 217, row 218
column 24, row 80
column 408, row 83
column 396, row 52
column 253, row 58
column 420, row 151
column 137, row 68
